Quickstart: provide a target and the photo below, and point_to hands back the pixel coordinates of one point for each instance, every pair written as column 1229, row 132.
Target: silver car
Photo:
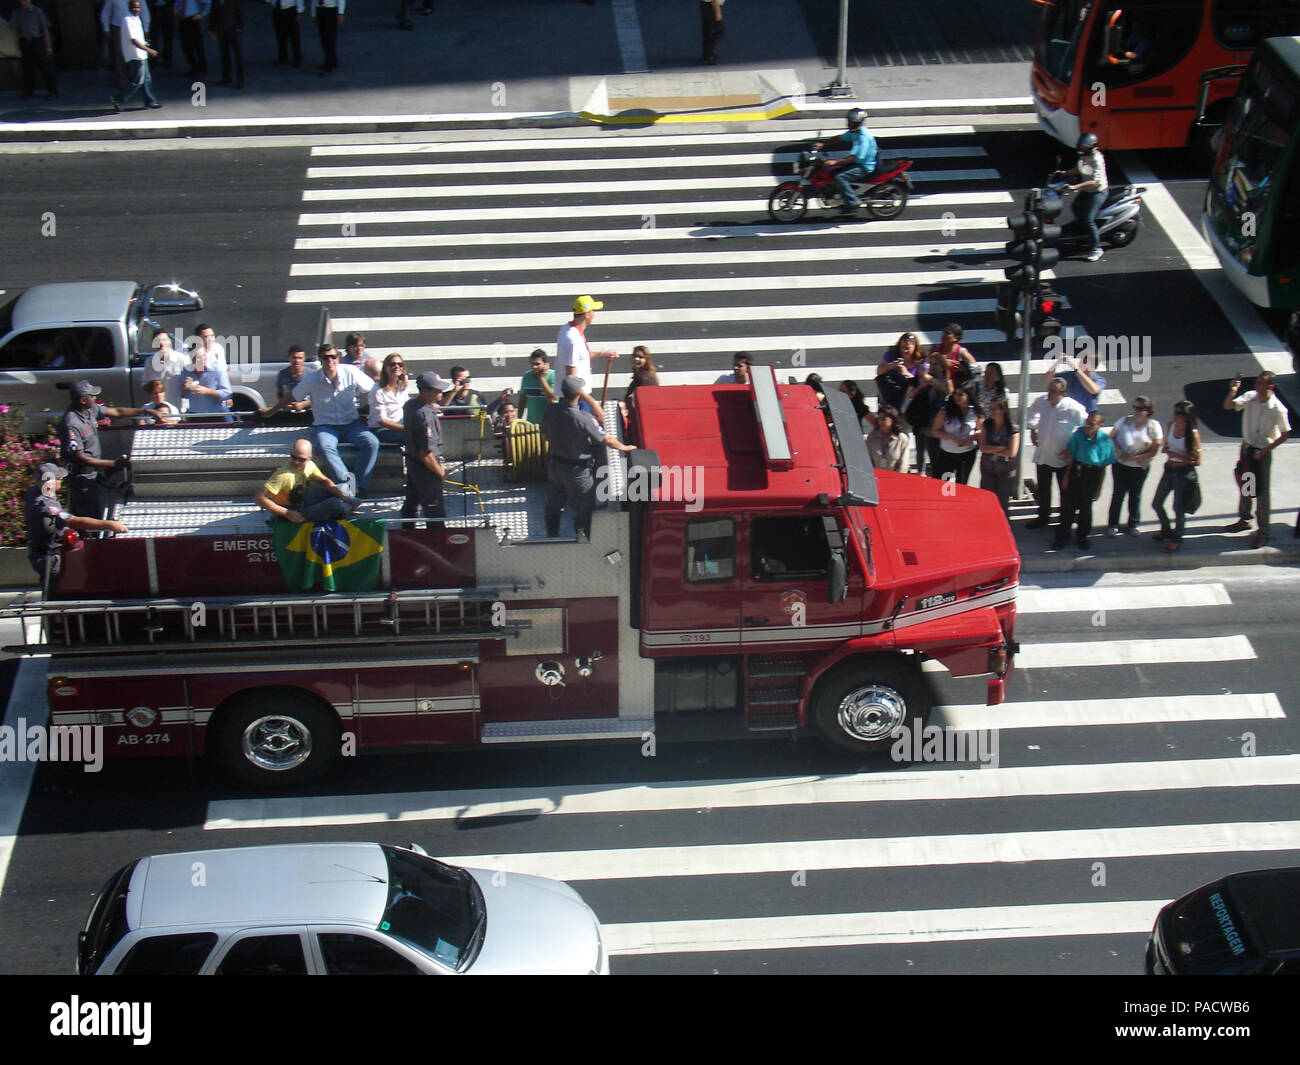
column 334, row 908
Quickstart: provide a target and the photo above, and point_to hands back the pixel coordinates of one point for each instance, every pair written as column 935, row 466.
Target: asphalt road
column 1165, row 670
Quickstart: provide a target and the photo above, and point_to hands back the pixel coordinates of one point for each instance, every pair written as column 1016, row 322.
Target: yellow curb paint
column 654, row 118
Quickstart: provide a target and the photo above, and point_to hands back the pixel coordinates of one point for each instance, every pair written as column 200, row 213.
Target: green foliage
column 20, row 454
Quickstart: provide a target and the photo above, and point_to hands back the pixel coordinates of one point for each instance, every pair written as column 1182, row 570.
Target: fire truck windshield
column 432, row 906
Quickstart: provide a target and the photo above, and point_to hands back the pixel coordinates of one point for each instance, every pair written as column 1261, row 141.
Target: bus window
column 1254, row 144
column 1242, row 24
column 1137, row 41
column 1059, row 37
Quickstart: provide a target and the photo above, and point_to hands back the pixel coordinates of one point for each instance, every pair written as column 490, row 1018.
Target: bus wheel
column 274, row 738
column 858, row 706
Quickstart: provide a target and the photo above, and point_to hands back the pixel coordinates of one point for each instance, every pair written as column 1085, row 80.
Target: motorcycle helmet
column 1087, row 142
column 856, row 117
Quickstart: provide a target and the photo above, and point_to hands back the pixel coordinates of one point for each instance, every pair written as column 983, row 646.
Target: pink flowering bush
column 20, row 454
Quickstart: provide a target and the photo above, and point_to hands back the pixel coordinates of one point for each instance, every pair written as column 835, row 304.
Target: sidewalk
column 501, row 63
column 1204, row 541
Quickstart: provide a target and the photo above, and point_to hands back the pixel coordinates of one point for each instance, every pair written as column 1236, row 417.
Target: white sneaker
column 349, row 485
column 1113, row 531
column 1094, row 255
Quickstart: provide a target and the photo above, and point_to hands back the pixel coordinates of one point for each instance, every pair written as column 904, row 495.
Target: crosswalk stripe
column 868, row 929
column 1137, row 597
column 1133, row 652
column 594, row 188
column 768, row 231
column 893, row 852
column 612, row 162
column 608, row 141
column 642, row 260
column 636, row 211
column 902, row 786
column 1086, row 713
column 790, row 284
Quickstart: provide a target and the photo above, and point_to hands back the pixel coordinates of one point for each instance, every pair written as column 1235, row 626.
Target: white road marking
column 1101, row 653
column 1054, row 921
column 26, row 700
column 602, row 140
column 608, row 162
column 639, row 213
column 1087, row 713
column 945, row 227
column 894, row 852
column 645, row 260
column 484, row 190
column 1144, row 597
column 919, row 785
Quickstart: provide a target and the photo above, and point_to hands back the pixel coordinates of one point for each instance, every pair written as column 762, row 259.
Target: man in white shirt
column 739, row 375
column 136, row 53
column 285, row 16
column 1264, row 426
column 333, row 391
column 329, row 17
column 573, row 356
column 111, row 17
column 1053, row 418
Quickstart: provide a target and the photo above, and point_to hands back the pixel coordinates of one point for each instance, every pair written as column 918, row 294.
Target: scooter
column 1118, row 220
column 882, row 194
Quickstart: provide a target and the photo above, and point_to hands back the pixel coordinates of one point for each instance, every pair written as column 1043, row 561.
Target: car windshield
column 436, row 908
column 107, row 923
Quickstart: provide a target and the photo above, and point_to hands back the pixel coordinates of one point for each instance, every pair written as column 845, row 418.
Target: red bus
column 1131, row 71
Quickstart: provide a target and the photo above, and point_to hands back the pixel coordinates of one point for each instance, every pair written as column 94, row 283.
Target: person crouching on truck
column 46, row 518
column 298, row 491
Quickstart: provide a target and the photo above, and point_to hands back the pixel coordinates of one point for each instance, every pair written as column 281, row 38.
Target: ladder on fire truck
column 122, row 626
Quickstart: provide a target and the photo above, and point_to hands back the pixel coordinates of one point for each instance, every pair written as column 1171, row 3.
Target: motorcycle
column 883, row 194
column 1118, row 221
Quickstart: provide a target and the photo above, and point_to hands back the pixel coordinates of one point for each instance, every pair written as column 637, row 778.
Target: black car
column 1247, row 923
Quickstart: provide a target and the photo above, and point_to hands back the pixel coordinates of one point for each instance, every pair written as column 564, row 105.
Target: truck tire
column 274, row 738
column 860, row 703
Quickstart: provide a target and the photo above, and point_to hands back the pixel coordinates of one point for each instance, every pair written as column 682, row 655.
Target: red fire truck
column 749, row 562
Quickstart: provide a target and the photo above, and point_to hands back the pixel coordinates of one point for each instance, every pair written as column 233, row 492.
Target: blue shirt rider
column 862, row 158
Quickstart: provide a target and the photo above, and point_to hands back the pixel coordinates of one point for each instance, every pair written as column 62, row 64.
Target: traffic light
column 1043, row 313
column 1008, row 312
column 1035, row 239
column 1025, row 249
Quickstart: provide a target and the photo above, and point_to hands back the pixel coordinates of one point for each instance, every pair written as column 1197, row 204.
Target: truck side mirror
column 837, row 578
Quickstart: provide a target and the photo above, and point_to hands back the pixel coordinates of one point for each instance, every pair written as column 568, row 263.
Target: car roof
column 1268, row 901
column 73, row 301
column 282, row 884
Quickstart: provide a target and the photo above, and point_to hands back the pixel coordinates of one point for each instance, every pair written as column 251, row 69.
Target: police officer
column 571, row 433
column 81, row 451
column 424, row 458
column 46, row 518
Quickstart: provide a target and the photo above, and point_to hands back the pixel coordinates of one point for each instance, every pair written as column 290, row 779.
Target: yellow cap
column 583, row 304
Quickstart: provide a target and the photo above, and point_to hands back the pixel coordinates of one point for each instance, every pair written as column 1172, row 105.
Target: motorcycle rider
column 861, row 161
column 1089, row 177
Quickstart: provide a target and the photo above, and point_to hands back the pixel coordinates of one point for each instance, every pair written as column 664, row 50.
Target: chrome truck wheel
column 859, row 705
column 274, row 738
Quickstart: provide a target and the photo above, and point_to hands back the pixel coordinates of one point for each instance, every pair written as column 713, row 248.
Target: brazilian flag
column 340, row 556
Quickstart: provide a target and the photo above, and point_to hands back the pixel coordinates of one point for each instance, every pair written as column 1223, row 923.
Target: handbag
column 1191, row 493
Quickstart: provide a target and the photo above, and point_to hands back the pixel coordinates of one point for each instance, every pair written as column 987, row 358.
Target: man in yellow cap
column 572, row 356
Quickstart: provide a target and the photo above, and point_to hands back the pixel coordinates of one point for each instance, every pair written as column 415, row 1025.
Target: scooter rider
column 1089, row 176
column 861, row 161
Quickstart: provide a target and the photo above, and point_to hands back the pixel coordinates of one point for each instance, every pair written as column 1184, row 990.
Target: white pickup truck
column 103, row 331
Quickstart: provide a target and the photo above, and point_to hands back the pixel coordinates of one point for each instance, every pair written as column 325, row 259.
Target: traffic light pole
column 1026, row 350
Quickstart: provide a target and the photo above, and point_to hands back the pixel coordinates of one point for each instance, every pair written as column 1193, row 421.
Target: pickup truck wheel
column 858, row 706
column 274, row 739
